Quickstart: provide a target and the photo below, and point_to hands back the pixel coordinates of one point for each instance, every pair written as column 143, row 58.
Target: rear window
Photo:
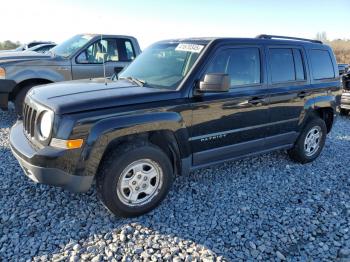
column 322, row 66
column 286, row 65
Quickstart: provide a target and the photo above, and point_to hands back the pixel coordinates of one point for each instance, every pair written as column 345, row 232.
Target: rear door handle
column 257, row 100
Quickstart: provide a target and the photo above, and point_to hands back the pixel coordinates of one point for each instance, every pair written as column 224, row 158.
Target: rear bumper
column 28, row 157
column 6, row 87
column 345, row 101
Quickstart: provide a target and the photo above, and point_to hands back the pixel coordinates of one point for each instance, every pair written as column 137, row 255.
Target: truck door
column 115, row 53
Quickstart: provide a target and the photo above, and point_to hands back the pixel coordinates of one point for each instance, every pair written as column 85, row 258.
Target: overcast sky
column 150, row 21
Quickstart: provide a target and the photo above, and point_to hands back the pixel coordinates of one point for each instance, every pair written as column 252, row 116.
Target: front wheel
column 134, row 179
column 310, row 142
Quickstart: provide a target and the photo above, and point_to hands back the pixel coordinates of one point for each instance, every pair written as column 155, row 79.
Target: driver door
column 108, row 54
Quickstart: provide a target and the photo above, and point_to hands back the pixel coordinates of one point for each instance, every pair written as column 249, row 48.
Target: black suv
column 181, row 105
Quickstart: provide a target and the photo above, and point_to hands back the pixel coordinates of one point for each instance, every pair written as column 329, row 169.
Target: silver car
column 82, row 56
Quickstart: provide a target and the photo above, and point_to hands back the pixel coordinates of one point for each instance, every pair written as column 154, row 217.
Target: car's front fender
column 108, row 130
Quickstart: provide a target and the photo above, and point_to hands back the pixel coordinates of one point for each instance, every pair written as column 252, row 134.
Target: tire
column 343, row 112
column 138, row 158
column 299, row 152
column 19, row 100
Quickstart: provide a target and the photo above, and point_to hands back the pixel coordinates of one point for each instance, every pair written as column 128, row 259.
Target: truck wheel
column 19, row 100
column 310, row 142
column 134, row 179
column 343, row 112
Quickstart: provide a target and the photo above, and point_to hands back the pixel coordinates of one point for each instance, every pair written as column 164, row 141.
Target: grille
column 29, row 118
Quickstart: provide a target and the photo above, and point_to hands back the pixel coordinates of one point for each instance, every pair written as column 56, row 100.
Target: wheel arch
column 163, row 129
column 327, row 115
column 323, row 107
column 164, row 139
column 31, row 81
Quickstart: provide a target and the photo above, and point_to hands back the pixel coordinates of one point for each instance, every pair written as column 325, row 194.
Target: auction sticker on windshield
column 189, row 48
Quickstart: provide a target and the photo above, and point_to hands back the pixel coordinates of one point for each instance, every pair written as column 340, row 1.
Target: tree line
column 9, row 45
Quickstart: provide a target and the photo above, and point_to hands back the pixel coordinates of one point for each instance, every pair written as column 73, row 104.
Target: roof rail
column 288, row 37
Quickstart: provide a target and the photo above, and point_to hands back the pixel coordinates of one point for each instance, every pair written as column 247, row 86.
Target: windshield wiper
column 134, row 80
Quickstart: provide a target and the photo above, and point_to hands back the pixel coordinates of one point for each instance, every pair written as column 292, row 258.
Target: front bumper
column 6, row 87
column 32, row 162
column 345, row 101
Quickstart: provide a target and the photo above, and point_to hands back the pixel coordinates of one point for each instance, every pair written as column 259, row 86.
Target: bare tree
column 322, row 36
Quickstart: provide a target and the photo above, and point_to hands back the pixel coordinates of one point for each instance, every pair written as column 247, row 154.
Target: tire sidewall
column 315, row 122
column 115, row 169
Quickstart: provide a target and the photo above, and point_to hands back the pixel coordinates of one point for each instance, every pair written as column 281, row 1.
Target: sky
column 153, row 20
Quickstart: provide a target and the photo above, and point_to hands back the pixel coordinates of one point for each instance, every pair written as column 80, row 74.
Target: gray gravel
column 261, row 208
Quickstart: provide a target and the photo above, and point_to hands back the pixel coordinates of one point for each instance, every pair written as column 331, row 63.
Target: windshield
column 163, row 65
column 71, row 45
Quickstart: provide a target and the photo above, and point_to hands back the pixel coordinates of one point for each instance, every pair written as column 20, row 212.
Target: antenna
column 103, row 63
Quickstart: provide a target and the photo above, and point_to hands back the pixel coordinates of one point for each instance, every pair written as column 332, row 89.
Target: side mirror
column 215, row 83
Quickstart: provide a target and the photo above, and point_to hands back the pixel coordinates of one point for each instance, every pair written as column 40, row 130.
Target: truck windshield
column 71, row 45
column 163, row 65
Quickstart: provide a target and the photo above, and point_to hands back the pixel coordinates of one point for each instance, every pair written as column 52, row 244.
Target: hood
column 91, row 94
column 22, row 56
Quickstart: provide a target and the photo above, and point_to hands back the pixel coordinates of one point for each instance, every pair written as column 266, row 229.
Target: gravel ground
column 261, row 208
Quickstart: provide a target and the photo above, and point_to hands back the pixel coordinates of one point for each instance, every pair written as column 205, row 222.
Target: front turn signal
column 2, row 73
column 76, row 143
column 67, row 144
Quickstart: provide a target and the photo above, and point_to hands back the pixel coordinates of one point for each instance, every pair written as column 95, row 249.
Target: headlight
column 45, row 125
column 2, row 73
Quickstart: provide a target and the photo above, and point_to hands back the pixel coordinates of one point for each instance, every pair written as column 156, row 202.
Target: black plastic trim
column 6, row 87
column 245, row 148
column 54, row 176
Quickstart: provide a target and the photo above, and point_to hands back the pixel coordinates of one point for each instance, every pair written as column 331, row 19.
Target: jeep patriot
column 181, row 105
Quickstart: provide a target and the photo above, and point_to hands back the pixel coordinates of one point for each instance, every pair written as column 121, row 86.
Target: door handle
column 256, row 101
column 303, row 94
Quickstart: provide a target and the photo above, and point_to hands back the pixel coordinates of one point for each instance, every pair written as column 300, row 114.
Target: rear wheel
column 134, row 179
column 310, row 142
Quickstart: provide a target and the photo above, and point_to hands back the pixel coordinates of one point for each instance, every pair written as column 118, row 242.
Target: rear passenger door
column 288, row 91
column 231, row 124
column 116, row 53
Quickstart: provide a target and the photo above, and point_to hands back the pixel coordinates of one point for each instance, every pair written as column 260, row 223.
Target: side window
column 322, row 66
column 130, row 54
column 282, row 65
column 299, row 65
column 241, row 64
column 44, row 49
column 286, row 65
column 104, row 50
